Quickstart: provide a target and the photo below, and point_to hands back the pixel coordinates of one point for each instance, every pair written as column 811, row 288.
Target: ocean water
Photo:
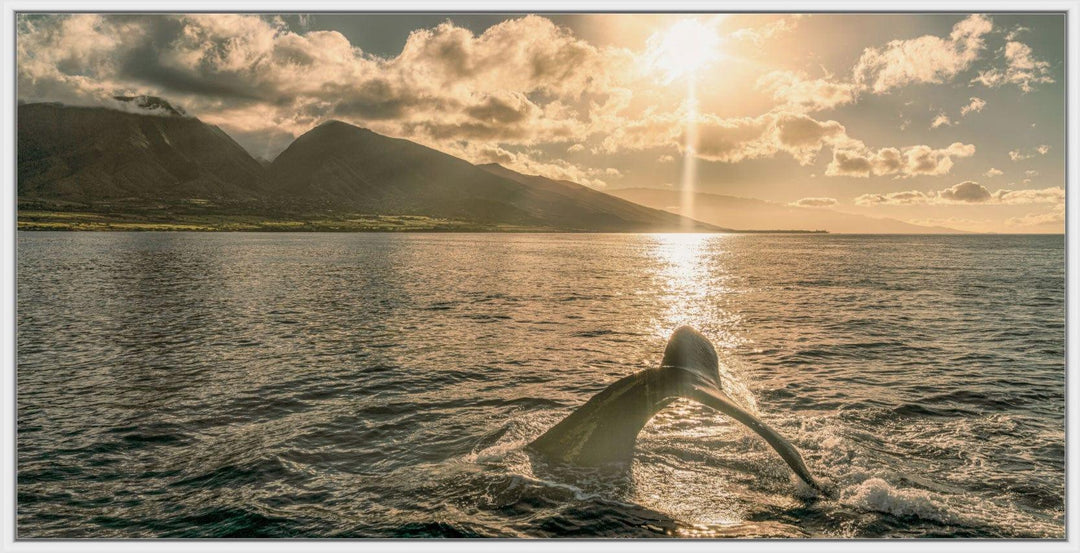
column 384, row 385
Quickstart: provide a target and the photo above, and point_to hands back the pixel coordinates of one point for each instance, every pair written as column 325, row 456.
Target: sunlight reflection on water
column 322, row 385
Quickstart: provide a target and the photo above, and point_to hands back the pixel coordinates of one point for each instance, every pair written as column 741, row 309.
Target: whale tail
column 605, row 428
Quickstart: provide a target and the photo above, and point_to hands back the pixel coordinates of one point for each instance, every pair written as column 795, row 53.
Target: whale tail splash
column 605, row 428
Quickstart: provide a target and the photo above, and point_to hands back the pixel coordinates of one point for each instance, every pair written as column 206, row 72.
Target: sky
column 945, row 119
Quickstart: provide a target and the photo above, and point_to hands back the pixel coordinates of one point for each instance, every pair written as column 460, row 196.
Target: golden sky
column 952, row 119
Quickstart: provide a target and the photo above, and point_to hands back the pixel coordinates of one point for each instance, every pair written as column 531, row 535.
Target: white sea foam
column 878, row 495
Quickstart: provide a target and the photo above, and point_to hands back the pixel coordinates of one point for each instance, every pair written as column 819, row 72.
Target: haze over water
column 384, row 385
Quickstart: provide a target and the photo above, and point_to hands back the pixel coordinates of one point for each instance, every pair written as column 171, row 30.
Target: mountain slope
column 753, row 214
column 88, row 154
column 340, row 166
column 588, row 202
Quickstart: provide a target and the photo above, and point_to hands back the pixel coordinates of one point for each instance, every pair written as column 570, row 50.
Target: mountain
column 599, row 204
column 152, row 104
column 753, row 214
column 340, row 166
column 88, row 154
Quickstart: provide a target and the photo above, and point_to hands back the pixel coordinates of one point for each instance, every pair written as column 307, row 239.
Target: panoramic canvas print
column 540, row 275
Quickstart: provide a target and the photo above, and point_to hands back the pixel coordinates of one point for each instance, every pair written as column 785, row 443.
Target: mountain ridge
column 151, row 159
column 94, row 153
column 169, row 165
column 360, row 169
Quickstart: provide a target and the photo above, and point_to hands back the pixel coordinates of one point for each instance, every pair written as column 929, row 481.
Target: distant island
column 153, row 167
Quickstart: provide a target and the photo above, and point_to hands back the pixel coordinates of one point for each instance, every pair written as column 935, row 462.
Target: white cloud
column 1019, row 154
column 941, row 120
column 649, row 131
column 1049, row 195
column 759, row 35
column 1015, row 33
column 975, row 105
column 522, row 81
column 796, row 92
column 1021, row 68
column 967, row 192
column 926, row 59
column 1055, row 216
column 911, row 161
column 735, row 139
column 907, row 197
column 814, row 202
column 924, row 160
column 993, row 173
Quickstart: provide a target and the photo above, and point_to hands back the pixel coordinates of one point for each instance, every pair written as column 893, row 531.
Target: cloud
column 760, row 35
column 1015, row 33
column 1019, row 154
column 666, row 158
column 911, row 161
column 735, row 139
column 1055, row 216
column 1049, row 195
column 71, row 59
column 993, row 173
column 941, row 120
column 525, row 163
column 496, row 94
column 908, row 197
column 924, row 160
column 967, row 192
column 814, row 202
column 1021, row 68
column 796, row 92
column 975, row 105
column 649, row 131
column 522, row 81
column 926, row 59
column 803, row 136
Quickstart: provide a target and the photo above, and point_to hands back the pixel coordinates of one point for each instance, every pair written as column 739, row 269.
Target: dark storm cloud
column 144, row 66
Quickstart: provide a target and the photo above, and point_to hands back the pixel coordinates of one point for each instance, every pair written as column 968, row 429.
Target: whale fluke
column 604, row 429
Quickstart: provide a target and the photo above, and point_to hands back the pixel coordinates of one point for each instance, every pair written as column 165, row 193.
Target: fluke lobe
column 604, row 429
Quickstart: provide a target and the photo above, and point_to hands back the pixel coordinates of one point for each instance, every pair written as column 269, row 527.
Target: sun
column 685, row 48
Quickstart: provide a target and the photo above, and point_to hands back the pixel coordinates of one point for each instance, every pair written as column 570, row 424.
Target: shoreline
column 89, row 221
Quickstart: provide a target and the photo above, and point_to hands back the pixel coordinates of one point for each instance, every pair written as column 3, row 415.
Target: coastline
column 89, row 221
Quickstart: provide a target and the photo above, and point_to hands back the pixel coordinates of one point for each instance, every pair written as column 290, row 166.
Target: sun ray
column 689, row 168
column 681, row 52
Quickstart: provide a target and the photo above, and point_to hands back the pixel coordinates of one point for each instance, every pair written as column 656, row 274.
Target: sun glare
column 685, row 48
column 681, row 52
